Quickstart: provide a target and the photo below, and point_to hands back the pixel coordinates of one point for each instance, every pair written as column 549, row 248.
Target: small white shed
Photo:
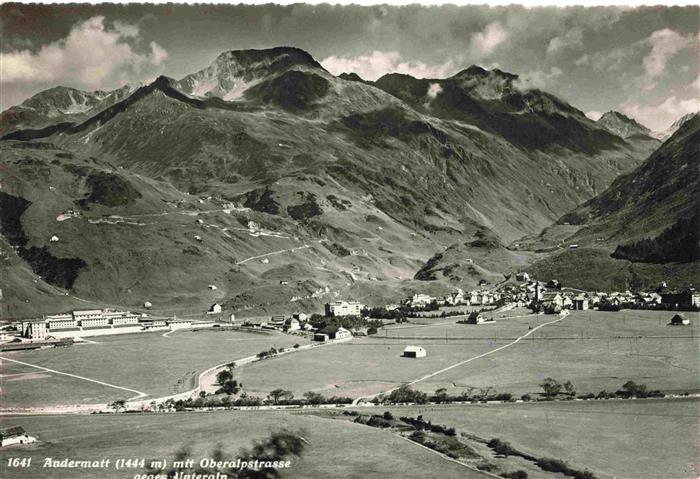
column 414, row 352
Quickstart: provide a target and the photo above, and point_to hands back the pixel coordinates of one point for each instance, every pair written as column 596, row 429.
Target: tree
column 229, row 387
column 632, row 389
column 569, row 389
column 551, row 387
column 441, row 395
column 118, row 405
column 278, row 395
column 501, row 447
column 314, row 397
column 404, row 394
column 388, row 416
column 223, row 376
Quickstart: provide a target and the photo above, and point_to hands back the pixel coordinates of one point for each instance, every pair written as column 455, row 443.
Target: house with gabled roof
column 15, row 435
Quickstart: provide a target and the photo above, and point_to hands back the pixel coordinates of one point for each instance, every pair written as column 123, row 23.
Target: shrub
column 501, row 447
column 552, row 465
column 519, row 474
column 404, row 394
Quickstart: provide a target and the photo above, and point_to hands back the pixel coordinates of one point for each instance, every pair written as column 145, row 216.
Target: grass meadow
column 594, row 350
column 146, row 362
column 335, row 448
column 639, row 439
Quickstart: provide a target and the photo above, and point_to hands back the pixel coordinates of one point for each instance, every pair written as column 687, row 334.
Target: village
column 343, row 319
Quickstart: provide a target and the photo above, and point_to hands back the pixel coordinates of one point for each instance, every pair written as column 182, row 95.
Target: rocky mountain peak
column 675, row 126
column 622, row 125
column 234, row 71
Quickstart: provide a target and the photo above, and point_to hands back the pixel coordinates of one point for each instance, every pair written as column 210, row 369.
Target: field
column 594, row 350
column 147, row 362
column 336, row 448
column 23, row 385
column 354, row 369
column 646, row 439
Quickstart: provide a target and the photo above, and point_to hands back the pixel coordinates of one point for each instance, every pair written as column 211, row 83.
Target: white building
column 292, row 324
column 60, row 321
column 420, row 300
column 344, row 308
column 119, row 318
column 87, row 314
column 98, row 322
column 15, row 435
column 214, row 309
column 456, row 298
column 414, row 352
column 179, row 324
column 342, row 333
column 34, row 329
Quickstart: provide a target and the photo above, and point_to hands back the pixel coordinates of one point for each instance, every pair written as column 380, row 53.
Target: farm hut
column 321, row 337
column 414, row 352
column 580, row 303
column 54, row 239
column 214, row 309
column 336, row 332
column 679, row 320
column 15, row 435
column 476, row 318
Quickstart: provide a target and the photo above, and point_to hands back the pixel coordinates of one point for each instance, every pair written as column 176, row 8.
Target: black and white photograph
column 350, row 240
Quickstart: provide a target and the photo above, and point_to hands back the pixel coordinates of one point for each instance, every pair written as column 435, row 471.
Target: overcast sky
column 641, row 61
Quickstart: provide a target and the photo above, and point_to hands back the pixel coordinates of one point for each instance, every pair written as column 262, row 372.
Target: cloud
column 539, row 79
column 614, row 60
column 434, row 90
column 158, row 54
column 571, row 39
column 373, row 65
column 485, row 42
column 659, row 117
column 594, row 115
column 126, row 30
column 91, row 56
column 665, row 44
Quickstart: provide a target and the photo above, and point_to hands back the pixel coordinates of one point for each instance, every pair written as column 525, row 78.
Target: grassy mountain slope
column 347, row 183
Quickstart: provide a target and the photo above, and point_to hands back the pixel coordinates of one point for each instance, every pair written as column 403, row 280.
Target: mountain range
column 286, row 186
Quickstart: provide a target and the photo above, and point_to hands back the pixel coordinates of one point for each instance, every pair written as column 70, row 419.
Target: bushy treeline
column 421, row 425
column 405, row 394
column 556, row 465
column 319, row 321
column 678, row 243
column 277, row 397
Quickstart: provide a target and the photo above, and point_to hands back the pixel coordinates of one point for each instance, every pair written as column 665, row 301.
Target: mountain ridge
column 330, row 164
